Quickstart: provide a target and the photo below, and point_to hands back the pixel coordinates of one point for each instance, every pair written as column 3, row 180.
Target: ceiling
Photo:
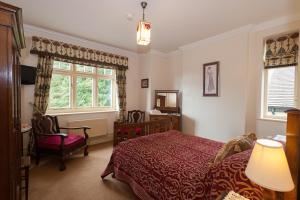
column 175, row 22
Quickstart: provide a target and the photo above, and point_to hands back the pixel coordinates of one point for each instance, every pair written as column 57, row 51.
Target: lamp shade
column 143, row 35
column 268, row 166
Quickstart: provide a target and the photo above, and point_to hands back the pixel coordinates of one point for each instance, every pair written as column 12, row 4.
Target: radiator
column 98, row 126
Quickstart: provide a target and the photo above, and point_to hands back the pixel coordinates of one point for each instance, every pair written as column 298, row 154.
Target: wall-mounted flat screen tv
column 28, row 75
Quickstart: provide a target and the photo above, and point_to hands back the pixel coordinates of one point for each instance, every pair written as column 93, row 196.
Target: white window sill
column 272, row 119
column 79, row 112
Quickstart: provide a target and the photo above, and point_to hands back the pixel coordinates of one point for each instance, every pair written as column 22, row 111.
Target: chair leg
column 86, row 153
column 62, row 165
column 37, row 159
column 26, row 182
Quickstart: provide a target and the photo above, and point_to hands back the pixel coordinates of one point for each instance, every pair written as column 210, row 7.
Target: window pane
column 103, row 71
column 61, row 65
column 82, row 68
column 281, row 92
column 60, row 91
column 65, row 66
column 100, row 71
column 56, row 65
column 104, row 93
column 89, row 69
column 79, row 68
column 84, row 91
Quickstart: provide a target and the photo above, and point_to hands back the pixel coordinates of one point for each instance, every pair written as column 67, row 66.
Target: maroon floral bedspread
column 167, row 165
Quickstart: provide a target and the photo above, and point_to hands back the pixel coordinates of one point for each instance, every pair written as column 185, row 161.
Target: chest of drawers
column 175, row 119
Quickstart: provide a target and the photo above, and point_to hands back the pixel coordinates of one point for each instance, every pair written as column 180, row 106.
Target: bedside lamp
column 268, row 167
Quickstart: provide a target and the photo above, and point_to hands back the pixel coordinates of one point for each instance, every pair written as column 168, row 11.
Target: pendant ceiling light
column 144, row 29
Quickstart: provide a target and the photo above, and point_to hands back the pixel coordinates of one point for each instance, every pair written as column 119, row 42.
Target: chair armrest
column 75, row 128
column 55, row 134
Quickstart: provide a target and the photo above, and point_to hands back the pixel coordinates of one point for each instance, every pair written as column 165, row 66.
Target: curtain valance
column 76, row 54
column 282, row 51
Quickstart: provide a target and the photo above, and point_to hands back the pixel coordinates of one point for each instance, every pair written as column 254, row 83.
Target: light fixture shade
column 268, row 166
column 143, row 35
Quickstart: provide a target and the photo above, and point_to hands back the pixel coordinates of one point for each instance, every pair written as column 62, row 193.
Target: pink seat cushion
column 53, row 142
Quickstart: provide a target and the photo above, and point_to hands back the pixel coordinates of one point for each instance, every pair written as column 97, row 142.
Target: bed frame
column 293, row 150
column 124, row 131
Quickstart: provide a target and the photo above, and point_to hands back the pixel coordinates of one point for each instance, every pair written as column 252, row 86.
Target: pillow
column 234, row 146
column 230, row 175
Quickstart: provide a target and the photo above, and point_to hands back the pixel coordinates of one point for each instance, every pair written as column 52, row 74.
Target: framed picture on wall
column 211, row 79
column 145, row 83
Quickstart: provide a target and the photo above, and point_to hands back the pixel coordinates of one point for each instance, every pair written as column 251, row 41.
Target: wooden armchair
column 135, row 116
column 49, row 140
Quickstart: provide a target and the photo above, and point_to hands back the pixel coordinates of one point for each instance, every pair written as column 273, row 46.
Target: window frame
column 264, row 111
column 73, row 73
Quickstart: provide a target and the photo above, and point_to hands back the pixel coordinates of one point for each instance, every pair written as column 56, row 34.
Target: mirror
column 166, row 100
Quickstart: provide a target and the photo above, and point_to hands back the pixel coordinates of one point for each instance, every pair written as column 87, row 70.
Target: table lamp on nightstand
column 268, row 167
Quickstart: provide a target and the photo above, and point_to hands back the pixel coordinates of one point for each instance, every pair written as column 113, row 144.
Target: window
column 279, row 91
column 280, row 75
column 76, row 88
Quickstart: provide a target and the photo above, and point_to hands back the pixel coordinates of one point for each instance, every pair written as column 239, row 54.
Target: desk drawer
column 176, row 120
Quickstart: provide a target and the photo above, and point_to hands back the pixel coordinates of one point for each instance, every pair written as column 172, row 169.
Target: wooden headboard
column 293, row 150
column 125, row 131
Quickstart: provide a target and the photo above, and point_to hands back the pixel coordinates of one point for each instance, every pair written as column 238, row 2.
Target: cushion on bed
column 234, row 146
column 229, row 175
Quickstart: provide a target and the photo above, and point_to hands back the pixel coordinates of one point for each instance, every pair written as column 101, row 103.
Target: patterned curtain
column 121, row 83
column 42, row 85
column 76, row 54
column 282, row 51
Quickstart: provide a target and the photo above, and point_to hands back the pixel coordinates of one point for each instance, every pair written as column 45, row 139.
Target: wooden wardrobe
column 293, row 151
column 11, row 42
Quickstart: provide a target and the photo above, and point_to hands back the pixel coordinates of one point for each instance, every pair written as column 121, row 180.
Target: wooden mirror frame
column 167, row 109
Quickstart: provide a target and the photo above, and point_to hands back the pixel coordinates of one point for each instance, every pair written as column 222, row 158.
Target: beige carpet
column 80, row 181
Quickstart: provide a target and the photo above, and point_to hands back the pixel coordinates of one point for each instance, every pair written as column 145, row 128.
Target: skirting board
column 100, row 139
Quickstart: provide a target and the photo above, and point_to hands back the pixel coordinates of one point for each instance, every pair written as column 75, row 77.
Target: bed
column 172, row 165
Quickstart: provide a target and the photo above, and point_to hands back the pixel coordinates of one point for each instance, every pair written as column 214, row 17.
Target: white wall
column 237, row 110
column 145, row 93
column 175, row 69
column 219, row 118
column 133, row 79
column 161, row 74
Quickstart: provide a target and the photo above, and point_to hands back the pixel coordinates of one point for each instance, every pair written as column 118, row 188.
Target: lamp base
column 272, row 195
column 279, row 195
